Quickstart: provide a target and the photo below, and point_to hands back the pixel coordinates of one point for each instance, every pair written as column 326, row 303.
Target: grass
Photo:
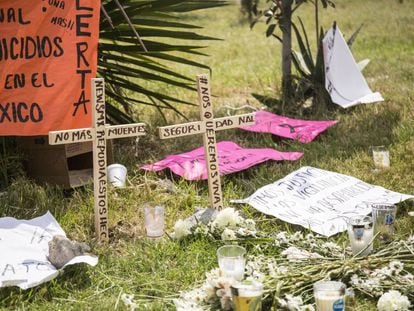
column 245, row 61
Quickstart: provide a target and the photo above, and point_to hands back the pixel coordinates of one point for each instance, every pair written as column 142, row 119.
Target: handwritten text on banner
column 48, row 54
column 24, row 248
column 320, row 200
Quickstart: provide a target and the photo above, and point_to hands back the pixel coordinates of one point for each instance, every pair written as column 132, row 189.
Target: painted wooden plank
column 209, row 138
column 229, row 122
column 100, row 182
column 179, row 130
column 125, row 130
column 71, row 136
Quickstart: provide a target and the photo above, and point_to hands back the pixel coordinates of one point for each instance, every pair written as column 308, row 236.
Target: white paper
column 343, row 79
column 24, row 249
column 320, row 200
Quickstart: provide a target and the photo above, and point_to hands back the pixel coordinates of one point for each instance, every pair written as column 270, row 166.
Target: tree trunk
column 286, row 27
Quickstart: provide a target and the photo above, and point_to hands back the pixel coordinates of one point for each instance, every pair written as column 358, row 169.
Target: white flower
column 393, row 301
column 128, row 300
column 187, row 305
column 281, row 238
column 227, row 217
column 296, row 237
column 294, row 253
column 410, row 239
column 355, row 279
column 250, row 224
column 228, row 234
column 246, row 232
column 396, row 266
column 181, row 229
column 293, row 302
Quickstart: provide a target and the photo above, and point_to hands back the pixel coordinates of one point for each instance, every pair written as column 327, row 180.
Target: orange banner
column 48, row 54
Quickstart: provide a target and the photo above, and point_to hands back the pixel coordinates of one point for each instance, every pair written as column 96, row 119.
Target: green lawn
column 244, row 62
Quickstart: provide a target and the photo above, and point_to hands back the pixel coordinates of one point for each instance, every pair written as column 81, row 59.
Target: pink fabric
column 232, row 158
column 301, row 130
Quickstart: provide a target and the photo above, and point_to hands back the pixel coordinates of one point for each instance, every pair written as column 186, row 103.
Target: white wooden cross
column 98, row 134
column 208, row 126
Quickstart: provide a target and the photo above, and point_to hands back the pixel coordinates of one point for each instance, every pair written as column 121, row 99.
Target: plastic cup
column 117, row 175
column 329, row 295
column 154, row 220
column 231, row 261
column 247, row 296
column 381, row 157
column 384, row 219
column 361, row 234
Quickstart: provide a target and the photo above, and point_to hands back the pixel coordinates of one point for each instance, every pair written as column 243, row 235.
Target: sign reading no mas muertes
column 48, row 54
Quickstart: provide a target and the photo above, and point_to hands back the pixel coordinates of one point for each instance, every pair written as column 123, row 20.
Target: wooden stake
column 98, row 134
column 208, row 127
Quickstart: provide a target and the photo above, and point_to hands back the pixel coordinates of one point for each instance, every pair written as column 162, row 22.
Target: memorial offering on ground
column 26, row 255
column 320, row 200
column 208, row 127
column 48, row 53
column 232, row 158
column 304, row 131
column 98, row 134
column 343, row 80
column 288, row 266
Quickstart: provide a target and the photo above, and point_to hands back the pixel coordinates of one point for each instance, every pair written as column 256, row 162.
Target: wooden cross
column 98, row 134
column 208, row 126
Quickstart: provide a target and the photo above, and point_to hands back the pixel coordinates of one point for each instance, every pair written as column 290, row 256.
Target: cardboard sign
column 208, row 127
column 48, row 53
column 98, row 134
column 343, row 79
column 231, row 158
column 302, row 130
column 320, row 200
column 24, row 248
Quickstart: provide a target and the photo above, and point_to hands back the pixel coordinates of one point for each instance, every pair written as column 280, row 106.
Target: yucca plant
column 133, row 52
column 279, row 18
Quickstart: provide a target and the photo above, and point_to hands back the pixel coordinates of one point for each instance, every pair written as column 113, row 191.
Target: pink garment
column 302, row 130
column 191, row 165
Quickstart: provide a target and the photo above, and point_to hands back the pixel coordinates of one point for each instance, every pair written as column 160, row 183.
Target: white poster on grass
column 320, row 200
column 24, row 249
column 343, row 78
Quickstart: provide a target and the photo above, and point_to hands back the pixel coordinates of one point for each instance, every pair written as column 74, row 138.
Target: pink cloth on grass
column 191, row 165
column 302, row 130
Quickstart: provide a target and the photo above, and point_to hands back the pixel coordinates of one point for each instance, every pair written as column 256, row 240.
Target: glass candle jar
column 329, row 295
column 231, row 261
column 361, row 235
column 154, row 220
column 384, row 219
column 381, row 157
column 247, row 296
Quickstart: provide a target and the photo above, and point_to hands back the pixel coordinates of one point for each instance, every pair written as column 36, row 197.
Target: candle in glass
column 231, row 261
column 329, row 295
column 154, row 220
column 361, row 234
column 381, row 157
column 247, row 296
column 384, row 218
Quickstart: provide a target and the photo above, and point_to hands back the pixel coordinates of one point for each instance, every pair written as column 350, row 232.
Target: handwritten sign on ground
column 343, row 79
column 302, row 130
column 231, row 157
column 24, row 248
column 48, row 53
column 320, row 200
